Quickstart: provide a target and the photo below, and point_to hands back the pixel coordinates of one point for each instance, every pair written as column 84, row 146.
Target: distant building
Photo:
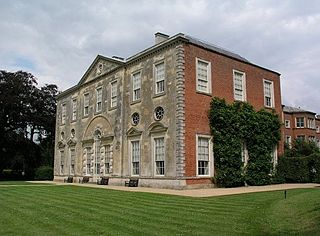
column 147, row 116
column 301, row 124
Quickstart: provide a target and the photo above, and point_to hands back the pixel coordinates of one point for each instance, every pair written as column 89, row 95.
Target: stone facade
column 144, row 116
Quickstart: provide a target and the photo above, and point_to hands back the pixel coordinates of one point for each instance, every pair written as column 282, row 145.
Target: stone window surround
column 134, row 139
column 153, row 137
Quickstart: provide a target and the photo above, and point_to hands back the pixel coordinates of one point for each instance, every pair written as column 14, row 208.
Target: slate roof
column 289, row 109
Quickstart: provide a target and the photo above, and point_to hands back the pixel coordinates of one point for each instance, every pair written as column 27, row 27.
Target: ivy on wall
column 234, row 126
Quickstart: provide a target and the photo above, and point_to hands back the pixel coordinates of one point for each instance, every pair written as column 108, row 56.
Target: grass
column 74, row 210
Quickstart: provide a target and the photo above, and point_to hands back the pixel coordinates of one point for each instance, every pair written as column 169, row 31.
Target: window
column 61, row 162
column 88, row 161
column 158, row 113
column 287, row 123
column 99, row 100
column 74, row 109
column 311, row 123
column 301, row 137
column 159, row 155
column 114, row 94
column 312, row 138
column 135, row 118
column 63, row 114
column 107, row 160
column 318, row 129
column 72, row 160
column 288, row 140
column 203, row 155
column 135, row 157
column 203, row 69
column 300, row 122
column 244, row 154
column 136, row 86
column 86, row 104
column 268, row 93
column 159, row 78
column 239, row 84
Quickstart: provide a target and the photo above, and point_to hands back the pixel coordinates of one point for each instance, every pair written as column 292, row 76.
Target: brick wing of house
column 301, row 124
column 146, row 116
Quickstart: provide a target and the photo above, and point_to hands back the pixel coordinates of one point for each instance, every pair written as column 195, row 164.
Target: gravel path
column 209, row 192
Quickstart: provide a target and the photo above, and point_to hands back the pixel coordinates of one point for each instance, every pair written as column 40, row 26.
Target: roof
column 289, row 109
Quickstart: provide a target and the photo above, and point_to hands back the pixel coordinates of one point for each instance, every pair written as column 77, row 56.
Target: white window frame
column 154, row 137
column 157, row 81
column 136, row 86
column 287, row 124
column 209, row 82
column 210, row 161
column 304, row 122
column 311, row 123
column 62, row 162
column 318, row 129
column 271, row 95
column 63, row 113
column 88, row 161
column 86, row 104
column 99, row 99
column 74, row 109
column 114, row 93
column 107, row 157
column 131, row 156
column 243, row 84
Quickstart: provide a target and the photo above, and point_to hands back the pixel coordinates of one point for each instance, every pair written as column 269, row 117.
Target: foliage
column 301, row 148
column 299, row 169
column 44, row 173
column 233, row 126
column 46, row 210
column 26, row 110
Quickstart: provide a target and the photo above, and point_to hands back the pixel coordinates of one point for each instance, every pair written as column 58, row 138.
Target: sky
column 57, row 40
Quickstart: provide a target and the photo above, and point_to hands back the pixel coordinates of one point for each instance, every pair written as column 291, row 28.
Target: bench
column 84, row 180
column 132, row 183
column 68, row 180
column 103, row 181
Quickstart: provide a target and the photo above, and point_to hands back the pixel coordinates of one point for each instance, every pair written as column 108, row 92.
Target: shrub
column 44, row 173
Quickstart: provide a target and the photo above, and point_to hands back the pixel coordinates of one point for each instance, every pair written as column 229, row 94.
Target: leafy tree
column 25, row 110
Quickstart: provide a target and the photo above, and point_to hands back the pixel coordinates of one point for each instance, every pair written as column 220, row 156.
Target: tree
column 24, row 110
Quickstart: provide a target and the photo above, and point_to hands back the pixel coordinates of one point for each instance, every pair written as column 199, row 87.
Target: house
column 300, row 124
column 146, row 116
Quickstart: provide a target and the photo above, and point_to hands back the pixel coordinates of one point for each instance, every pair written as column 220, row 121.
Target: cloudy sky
column 57, row 40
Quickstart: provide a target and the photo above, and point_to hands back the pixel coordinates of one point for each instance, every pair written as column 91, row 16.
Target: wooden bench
column 84, row 180
column 68, row 180
column 103, row 181
column 132, row 183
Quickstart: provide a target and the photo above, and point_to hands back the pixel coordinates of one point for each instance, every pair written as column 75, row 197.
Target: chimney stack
column 160, row 37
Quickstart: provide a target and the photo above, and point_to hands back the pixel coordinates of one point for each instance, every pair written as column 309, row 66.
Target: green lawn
column 73, row 210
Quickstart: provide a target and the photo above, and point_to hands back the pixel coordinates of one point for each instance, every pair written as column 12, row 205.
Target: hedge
column 44, row 173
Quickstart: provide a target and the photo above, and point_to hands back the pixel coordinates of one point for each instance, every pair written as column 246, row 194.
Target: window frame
column 62, row 162
column 74, row 109
column 300, row 127
column 287, row 124
column 210, row 160
column 63, row 113
column 271, row 91
column 86, row 104
column 133, row 98
column 72, row 160
column 131, row 156
column 112, row 96
column 99, row 99
column 209, row 82
column 243, row 84
column 154, row 137
column 155, row 81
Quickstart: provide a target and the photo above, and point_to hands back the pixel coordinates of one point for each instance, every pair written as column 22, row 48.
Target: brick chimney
column 160, row 37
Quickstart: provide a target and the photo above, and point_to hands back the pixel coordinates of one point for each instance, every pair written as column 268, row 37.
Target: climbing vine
column 234, row 127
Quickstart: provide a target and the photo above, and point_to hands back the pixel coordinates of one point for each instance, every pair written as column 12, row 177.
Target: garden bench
column 132, row 183
column 84, row 180
column 103, row 181
column 68, row 180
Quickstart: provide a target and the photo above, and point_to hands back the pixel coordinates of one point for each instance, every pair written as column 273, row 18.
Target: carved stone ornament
column 71, row 142
column 61, row 144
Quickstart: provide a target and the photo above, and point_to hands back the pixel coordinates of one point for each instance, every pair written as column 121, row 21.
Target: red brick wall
column 197, row 105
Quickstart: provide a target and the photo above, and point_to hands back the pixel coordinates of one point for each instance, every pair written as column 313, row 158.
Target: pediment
column 99, row 66
column 133, row 132
column 157, row 127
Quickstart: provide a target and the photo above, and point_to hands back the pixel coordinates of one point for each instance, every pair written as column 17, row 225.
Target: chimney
column 160, row 37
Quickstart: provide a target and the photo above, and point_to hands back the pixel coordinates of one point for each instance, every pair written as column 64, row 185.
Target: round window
column 158, row 113
column 135, row 118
